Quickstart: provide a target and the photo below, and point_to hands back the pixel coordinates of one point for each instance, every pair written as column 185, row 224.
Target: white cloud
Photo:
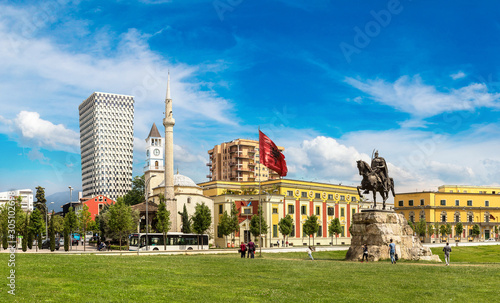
column 36, row 132
column 458, row 75
column 411, row 95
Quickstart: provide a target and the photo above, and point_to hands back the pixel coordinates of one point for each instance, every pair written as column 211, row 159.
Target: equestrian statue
column 375, row 179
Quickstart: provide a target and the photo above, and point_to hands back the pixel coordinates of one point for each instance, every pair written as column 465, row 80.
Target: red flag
column 270, row 155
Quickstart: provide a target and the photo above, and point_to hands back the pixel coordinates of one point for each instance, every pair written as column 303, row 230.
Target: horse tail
column 392, row 187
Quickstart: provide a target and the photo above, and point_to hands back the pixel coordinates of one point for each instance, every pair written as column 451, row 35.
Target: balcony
column 251, row 151
column 209, row 164
column 209, row 176
column 251, row 163
column 154, row 167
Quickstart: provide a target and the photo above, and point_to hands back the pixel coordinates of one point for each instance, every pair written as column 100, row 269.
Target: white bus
column 175, row 241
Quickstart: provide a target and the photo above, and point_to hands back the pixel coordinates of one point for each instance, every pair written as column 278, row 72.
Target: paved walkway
column 78, row 250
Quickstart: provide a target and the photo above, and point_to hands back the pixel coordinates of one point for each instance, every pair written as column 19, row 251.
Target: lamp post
column 146, row 184
column 70, row 194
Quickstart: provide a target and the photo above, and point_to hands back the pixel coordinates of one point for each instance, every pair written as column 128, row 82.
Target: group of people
column 247, row 248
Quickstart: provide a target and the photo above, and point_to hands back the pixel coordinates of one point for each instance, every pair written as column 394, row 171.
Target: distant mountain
column 60, row 199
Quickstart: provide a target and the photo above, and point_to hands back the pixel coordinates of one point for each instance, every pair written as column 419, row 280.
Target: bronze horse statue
column 372, row 182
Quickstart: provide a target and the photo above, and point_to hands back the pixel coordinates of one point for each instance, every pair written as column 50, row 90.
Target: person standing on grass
column 392, row 251
column 251, row 249
column 243, row 249
column 365, row 253
column 447, row 251
column 309, row 252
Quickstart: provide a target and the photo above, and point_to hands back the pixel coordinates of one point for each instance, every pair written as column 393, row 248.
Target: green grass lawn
column 284, row 277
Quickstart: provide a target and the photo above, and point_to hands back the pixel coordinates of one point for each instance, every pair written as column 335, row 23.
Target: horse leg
column 359, row 193
column 384, row 197
column 374, row 199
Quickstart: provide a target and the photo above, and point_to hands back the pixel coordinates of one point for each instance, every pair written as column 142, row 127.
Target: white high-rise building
column 106, row 144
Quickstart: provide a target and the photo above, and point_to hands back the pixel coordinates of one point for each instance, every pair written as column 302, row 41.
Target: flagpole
column 260, row 201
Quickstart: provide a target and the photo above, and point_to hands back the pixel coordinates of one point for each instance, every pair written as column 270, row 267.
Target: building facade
column 238, row 161
column 280, row 198
column 106, row 144
column 26, row 198
column 95, row 204
column 469, row 205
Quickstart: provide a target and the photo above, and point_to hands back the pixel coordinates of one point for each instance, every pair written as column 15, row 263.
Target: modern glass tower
column 106, row 144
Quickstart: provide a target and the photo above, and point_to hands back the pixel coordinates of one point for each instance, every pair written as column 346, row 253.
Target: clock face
column 156, row 152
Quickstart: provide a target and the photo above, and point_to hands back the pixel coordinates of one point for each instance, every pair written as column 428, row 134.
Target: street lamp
column 147, row 220
column 70, row 194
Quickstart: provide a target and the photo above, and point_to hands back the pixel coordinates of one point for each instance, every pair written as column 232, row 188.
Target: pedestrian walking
column 243, row 249
column 392, row 251
column 365, row 253
column 309, row 252
column 251, row 249
column 447, row 251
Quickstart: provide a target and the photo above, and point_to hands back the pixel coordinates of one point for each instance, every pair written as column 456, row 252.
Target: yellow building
column 238, row 160
column 280, row 198
column 469, row 205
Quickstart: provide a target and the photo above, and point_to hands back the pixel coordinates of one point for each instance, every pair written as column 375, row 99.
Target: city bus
column 175, row 241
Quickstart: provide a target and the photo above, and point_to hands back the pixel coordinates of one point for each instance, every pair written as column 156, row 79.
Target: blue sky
column 328, row 80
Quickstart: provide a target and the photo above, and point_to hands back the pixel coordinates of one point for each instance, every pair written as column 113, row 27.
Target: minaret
column 169, row 123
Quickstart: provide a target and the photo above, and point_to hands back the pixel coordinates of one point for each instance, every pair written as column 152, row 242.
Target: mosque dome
column 181, row 180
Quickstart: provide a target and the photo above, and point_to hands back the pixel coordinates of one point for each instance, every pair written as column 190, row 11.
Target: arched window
column 422, row 215
column 443, row 217
column 486, row 217
column 457, row 216
column 189, row 200
column 470, row 217
column 156, row 164
column 412, row 217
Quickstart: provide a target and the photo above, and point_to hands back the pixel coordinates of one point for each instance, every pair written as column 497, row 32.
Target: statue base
column 376, row 228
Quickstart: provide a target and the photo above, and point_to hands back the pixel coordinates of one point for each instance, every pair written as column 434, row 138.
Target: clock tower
column 154, row 158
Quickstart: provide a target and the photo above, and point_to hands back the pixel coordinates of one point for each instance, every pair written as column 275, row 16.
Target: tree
column 120, row 220
column 421, row 227
column 66, row 238
column 430, row 230
column 496, row 230
column 258, row 225
column 186, row 221
column 411, row 225
column 58, row 224
column 84, row 218
column 459, row 228
column 36, row 226
column 52, row 233
column 235, row 223
column 202, row 219
column 476, row 231
column 70, row 223
column 163, row 221
column 437, row 228
column 448, row 229
column 25, row 234
column 136, row 194
column 224, row 227
column 4, row 225
column 335, row 228
column 40, row 199
column 443, row 230
column 311, row 227
column 286, row 226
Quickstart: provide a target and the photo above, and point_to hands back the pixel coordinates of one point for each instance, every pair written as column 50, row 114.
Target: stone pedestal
column 376, row 229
